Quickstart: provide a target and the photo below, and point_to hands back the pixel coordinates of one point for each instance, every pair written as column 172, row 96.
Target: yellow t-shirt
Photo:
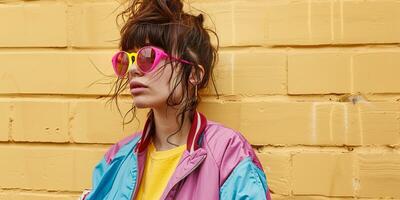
column 158, row 169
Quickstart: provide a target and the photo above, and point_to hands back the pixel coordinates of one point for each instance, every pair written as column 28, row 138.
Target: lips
column 136, row 84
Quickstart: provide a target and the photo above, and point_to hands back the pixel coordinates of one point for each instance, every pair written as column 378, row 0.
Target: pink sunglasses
column 147, row 58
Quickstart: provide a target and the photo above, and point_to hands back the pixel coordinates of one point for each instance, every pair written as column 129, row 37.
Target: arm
column 241, row 173
column 246, row 181
column 107, row 168
column 98, row 172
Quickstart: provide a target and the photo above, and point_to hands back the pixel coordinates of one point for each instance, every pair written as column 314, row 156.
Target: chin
column 140, row 104
column 143, row 102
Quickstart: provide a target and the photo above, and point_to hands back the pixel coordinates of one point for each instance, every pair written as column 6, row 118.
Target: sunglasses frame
column 160, row 54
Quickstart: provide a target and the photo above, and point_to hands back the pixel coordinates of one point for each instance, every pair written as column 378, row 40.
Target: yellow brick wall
column 313, row 84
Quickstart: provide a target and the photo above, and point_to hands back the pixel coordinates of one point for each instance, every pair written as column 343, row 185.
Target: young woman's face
column 151, row 90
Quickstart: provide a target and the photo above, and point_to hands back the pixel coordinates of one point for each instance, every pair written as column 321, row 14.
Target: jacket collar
column 199, row 123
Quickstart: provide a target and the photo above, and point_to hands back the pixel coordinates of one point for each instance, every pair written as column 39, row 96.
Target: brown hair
column 164, row 24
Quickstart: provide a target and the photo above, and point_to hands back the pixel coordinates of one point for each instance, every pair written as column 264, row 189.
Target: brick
column 314, row 123
column 222, row 74
column 91, row 122
column 277, row 169
column 249, row 23
column 30, row 24
column 218, row 17
column 94, row 25
column 257, row 72
column 56, row 72
column 368, row 21
column 227, row 113
column 335, row 124
column 18, row 195
column 5, row 110
column 326, row 22
column 380, row 123
column 377, row 72
column 47, row 168
column 321, row 23
column 333, row 172
column 262, row 122
column 319, row 73
column 298, row 23
column 278, row 23
column 379, row 174
column 276, row 123
column 249, row 72
column 40, row 121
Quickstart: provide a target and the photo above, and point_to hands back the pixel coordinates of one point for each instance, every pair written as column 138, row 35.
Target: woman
column 166, row 57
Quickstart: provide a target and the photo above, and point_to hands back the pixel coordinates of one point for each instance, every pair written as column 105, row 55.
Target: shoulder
column 122, row 147
column 227, row 146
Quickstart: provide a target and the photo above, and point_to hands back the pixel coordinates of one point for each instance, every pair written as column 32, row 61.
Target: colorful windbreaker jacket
column 218, row 163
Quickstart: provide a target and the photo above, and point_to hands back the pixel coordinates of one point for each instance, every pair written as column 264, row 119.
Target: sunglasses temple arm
column 184, row 61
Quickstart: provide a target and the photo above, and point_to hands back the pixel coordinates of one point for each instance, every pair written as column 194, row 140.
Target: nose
column 134, row 72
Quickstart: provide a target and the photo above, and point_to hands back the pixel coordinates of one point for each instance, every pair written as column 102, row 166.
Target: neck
column 165, row 125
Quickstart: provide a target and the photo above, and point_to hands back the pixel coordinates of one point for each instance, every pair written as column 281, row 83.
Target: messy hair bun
column 164, row 23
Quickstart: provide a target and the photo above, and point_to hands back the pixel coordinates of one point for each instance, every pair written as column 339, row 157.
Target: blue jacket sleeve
column 97, row 173
column 246, row 181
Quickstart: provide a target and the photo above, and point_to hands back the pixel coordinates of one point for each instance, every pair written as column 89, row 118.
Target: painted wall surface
column 314, row 85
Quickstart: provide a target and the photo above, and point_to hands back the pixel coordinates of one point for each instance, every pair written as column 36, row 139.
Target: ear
column 196, row 78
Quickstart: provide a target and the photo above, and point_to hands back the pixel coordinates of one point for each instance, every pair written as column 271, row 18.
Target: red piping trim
column 192, row 138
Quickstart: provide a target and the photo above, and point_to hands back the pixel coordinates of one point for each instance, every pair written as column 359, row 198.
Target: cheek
column 160, row 83
column 166, row 84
